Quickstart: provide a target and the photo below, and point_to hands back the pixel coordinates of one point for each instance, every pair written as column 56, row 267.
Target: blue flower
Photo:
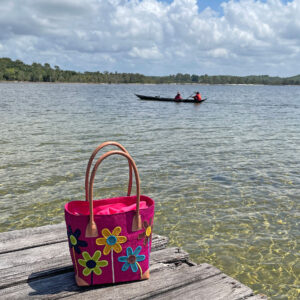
column 131, row 259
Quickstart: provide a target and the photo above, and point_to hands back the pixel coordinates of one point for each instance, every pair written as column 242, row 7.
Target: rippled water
column 225, row 174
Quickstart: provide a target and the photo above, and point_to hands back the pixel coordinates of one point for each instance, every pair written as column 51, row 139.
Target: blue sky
column 214, row 4
column 202, row 4
column 155, row 37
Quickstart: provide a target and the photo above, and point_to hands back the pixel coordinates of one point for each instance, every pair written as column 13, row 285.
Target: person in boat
column 178, row 96
column 197, row 97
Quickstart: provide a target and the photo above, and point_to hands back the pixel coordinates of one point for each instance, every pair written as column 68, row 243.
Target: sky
column 155, row 37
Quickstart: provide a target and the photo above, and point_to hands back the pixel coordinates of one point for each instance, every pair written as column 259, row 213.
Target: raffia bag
column 110, row 239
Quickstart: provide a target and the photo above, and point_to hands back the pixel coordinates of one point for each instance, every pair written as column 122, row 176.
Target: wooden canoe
column 158, row 98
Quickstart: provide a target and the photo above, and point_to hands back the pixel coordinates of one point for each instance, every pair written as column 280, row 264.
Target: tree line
column 18, row 71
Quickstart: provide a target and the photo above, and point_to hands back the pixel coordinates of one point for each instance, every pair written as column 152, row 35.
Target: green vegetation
column 18, row 71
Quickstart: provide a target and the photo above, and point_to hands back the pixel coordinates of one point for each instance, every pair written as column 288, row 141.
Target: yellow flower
column 112, row 240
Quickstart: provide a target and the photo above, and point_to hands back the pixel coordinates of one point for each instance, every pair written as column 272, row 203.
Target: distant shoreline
column 107, row 83
column 17, row 71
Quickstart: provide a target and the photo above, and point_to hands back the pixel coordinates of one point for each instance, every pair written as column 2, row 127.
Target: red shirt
column 178, row 97
column 197, row 97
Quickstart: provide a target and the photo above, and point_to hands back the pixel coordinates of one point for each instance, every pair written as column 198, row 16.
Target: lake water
column 225, row 174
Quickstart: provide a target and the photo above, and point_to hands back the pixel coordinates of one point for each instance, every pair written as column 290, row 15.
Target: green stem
column 140, row 269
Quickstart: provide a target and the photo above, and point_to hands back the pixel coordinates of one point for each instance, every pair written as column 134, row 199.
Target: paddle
column 191, row 95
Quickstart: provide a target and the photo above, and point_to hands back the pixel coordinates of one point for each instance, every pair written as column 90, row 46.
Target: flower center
column 111, row 240
column 148, row 231
column 73, row 240
column 91, row 264
column 131, row 259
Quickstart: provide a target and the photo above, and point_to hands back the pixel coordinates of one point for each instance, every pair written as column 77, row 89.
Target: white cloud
column 219, row 53
column 146, row 53
column 154, row 37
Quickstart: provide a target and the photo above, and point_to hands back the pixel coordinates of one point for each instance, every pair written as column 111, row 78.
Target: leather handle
column 91, row 230
column 90, row 164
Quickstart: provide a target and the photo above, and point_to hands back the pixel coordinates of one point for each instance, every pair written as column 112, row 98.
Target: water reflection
column 224, row 174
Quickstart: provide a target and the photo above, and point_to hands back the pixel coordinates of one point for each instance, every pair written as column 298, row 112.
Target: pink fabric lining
column 108, row 206
column 117, row 208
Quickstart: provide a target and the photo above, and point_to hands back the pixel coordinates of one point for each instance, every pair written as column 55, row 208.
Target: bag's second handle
column 91, row 230
column 90, row 164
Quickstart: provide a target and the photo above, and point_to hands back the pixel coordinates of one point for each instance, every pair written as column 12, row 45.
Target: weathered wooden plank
column 30, row 231
column 32, row 237
column 158, row 242
column 47, row 235
column 51, row 259
column 159, row 283
column 44, row 288
column 63, row 285
column 35, row 263
column 218, row 287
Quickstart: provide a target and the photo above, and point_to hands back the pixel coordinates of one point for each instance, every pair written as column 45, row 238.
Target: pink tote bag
column 110, row 239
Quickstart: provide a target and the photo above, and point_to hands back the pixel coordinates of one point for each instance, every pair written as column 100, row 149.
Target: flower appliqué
column 92, row 264
column 147, row 234
column 112, row 240
column 74, row 241
column 131, row 259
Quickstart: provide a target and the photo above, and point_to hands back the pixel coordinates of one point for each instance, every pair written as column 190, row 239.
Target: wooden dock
column 35, row 263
